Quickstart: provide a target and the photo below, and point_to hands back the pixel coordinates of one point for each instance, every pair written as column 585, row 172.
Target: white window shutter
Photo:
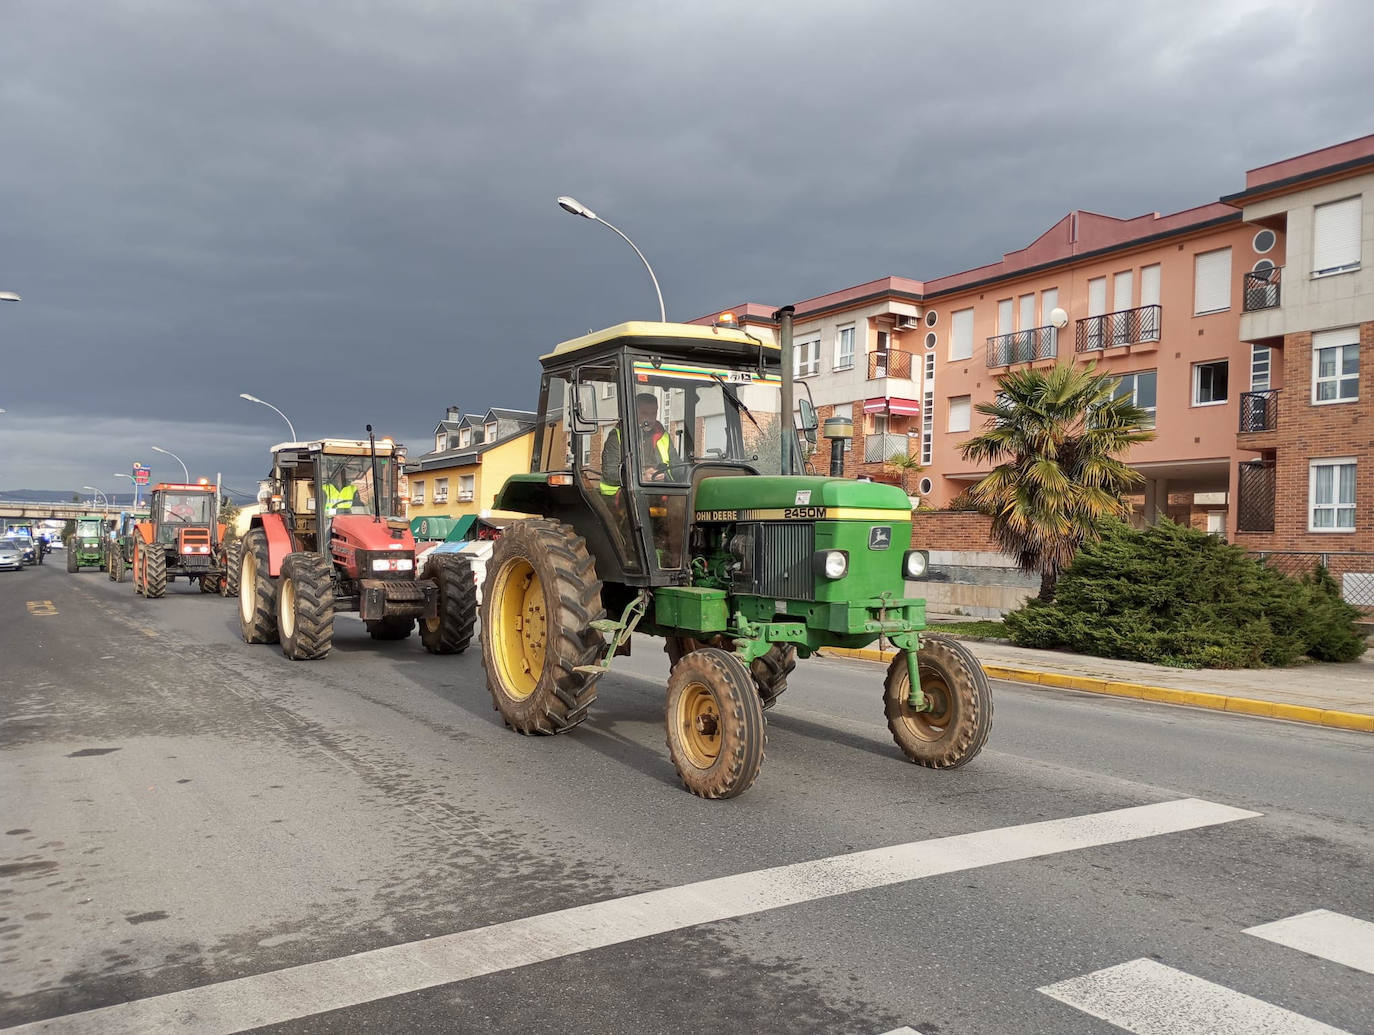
column 961, row 335
column 1336, row 235
column 1149, row 285
column 1027, row 312
column 1004, row 317
column 1122, row 290
column 1097, row 296
column 1212, row 281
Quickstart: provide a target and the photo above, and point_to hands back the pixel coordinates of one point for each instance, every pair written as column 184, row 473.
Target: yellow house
column 473, row 457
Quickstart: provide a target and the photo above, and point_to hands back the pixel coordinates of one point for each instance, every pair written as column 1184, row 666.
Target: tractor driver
column 657, row 457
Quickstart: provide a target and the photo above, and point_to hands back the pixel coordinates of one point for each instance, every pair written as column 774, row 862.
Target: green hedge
column 1176, row 596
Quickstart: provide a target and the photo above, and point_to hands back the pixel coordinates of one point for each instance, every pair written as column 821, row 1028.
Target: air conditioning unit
column 907, row 323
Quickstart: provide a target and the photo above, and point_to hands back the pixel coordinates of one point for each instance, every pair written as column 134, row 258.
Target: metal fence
column 1023, row 346
column 1259, row 411
column 1261, row 289
column 1255, row 492
column 1125, row 327
column 1353, row 572
column 879, row 449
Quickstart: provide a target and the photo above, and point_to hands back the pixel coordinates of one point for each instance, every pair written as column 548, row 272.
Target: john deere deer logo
column 880, row 537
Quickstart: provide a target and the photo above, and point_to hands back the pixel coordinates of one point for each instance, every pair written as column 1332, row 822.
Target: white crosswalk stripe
column 1330, row 936
column 1148, row 998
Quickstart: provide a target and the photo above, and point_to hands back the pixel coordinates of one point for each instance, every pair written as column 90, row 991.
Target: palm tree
column 904, row 464
column 1056, row 437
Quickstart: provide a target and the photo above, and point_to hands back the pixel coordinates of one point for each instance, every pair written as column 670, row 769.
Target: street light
column 159, row 449
column 9, row 296
column 106, row 503
column 264, row 402
column 576, row 207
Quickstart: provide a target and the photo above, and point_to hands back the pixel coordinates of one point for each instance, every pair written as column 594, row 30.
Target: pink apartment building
column 1244, row 326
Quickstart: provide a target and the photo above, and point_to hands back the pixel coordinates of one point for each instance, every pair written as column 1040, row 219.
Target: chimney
column 454, row 413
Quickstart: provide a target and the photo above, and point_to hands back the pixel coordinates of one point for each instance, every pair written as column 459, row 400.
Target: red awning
column 896, row 407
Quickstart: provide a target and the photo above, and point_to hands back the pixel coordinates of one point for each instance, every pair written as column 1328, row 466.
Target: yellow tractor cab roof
column 337, row 447
column 687, row 339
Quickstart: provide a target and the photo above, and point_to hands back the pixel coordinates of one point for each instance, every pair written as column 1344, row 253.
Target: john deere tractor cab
column 181, row 538
column 86, row 547
column 665, row 497
column 333, row 539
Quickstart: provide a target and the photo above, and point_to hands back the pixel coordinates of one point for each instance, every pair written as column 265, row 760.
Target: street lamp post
column 576, row 207
column 264, row 402
column 9, row 296
column 103, row 497
column 159, row 449
column 121, row 474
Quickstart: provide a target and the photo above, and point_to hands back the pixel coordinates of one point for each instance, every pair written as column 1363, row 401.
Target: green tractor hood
column 785, row 493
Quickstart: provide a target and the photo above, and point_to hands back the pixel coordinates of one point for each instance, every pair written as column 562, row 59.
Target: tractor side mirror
column 808, row 419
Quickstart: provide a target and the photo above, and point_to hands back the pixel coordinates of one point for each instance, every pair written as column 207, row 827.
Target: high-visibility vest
column 661, row 444
column 336, row 499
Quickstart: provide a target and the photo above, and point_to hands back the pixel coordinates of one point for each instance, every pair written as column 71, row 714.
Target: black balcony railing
column 1255, row 489
column 1259, row 411
column 1125, row 327
column 1023, row 346
column 889, row 363
column 1261, row 289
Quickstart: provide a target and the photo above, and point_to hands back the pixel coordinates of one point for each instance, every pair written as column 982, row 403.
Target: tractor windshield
column 689, row 414
column 88, row 529
column 347, row 484
column 187, row 508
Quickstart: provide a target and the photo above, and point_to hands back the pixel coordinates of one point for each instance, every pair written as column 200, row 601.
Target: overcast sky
column 347, row 208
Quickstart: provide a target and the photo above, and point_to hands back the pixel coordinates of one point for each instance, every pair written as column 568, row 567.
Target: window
column 1331, row 495
column 806, row 357
column 961, row 335
column 1209, row 383
column 440, row 490
column 1049, row 301
column 465, row 487
column 1263, row 241
column 491, row 432
column 1097, row 306
column 1004, row 317
column 932, row 318
column 928, row 411
column 1260, row 364
column 1336, row 365
column 1140, row 387
column 439, row 442
column 1212, row 282
column 1336, row 237
column 960, row 412
column 465, row 438
column 1123, row 290
column 1027, row 303
column 417, row 491
column 844, row 348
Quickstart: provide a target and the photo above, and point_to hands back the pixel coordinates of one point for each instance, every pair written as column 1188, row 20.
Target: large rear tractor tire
column 391, row 628
column 957, row 726
column 770, row 672
column 305, row 607
column 155, row 572
column 232, row 554
column 716, row 730
column 209, row 583
column 257, row 592
column 538, row 603
column 450, row 632
column 72, row 566
column 117, row 567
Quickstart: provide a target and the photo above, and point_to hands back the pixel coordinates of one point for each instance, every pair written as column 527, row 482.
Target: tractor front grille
column 783, row 553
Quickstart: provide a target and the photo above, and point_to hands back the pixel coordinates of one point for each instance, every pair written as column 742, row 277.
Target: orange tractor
column 182, row 538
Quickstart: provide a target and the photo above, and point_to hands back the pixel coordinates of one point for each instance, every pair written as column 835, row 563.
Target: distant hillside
column 120, row 499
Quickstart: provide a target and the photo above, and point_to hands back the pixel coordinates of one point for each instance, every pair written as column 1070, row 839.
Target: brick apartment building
column 1240, row 325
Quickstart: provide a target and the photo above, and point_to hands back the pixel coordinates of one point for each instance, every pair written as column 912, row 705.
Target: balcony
column 1260, row 289
column 879, row 449
column 889, row 363
column 1113, row 330
column 1023, row 346
column 1259, row 411
column 1255, row 491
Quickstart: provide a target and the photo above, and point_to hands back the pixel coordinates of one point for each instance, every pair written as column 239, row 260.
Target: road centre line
column 1322, row 933
column 315, row 988
column 1149, row 998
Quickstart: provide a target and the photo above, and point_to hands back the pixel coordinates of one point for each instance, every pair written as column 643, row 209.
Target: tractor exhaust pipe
column 376, row 482
column 789, row 434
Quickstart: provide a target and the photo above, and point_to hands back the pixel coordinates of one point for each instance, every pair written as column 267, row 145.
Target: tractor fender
column 144, row 529
column 279, row 542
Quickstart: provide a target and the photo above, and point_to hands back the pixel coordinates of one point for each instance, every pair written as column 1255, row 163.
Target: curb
column 1159, row 694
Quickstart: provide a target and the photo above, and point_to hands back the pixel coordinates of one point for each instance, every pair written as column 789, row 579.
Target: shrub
column 1173, row 595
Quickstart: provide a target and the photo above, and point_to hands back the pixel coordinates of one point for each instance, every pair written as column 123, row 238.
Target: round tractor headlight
column 915, row 564
column 836, row 564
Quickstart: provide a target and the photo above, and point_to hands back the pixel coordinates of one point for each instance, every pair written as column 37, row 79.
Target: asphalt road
column 180, row 811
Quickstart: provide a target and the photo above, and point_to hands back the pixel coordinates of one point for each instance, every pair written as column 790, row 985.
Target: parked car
column 11, row 555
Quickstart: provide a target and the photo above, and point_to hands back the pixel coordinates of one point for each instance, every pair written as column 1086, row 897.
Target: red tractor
column 332, row 539
column 182, row 538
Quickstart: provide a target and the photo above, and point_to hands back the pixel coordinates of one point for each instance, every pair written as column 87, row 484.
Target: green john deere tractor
column 86, row 547
column 665, row 497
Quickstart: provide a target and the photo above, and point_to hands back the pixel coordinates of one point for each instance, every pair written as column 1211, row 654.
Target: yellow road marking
column 41, row 607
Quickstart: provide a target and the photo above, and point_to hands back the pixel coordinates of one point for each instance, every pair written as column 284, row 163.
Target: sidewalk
column 1339, row 696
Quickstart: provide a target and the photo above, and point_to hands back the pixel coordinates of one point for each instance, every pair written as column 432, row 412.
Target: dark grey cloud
column 347, row 209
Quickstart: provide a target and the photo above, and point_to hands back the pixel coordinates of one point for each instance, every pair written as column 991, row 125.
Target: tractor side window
column 556, row 434
column 600, row 454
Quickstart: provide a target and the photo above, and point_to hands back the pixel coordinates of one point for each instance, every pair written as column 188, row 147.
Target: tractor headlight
column 833, row 564
column 393, row 564
column 915, row 564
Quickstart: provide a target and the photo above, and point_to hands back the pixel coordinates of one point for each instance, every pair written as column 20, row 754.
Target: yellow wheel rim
column 698, row 717
column 520, row 627
column 929, row 725
column 288, row 607
column 248, row 585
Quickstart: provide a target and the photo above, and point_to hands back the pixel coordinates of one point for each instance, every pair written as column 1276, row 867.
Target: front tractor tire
column 540, row 598
column 154, row 571
column 116, row 566
column 716, row 730
column 257, row 592
column 450, row 631
column 233, row 555
column 956, row 727
column 72, row 566
column 770, row 671
column 305, row 607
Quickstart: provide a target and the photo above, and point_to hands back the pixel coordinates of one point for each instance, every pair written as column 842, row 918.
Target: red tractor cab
column 182, row 538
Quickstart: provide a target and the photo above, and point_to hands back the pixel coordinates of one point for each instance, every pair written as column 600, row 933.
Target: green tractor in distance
column 86, row 546
column 665, row 497
column 119, row 548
